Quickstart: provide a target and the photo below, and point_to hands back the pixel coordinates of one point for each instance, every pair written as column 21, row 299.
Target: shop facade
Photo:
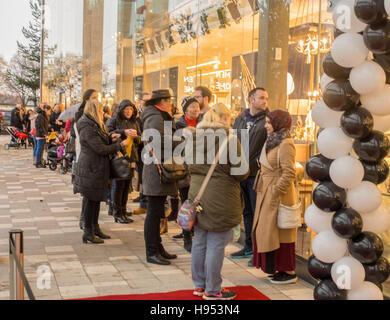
column 124, row 47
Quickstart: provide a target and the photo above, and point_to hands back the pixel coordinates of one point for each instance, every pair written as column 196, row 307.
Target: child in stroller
column 18, row 138
column 56, row 152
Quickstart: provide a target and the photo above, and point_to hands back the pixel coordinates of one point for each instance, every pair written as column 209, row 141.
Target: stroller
column 56, row 155
column 18, row 139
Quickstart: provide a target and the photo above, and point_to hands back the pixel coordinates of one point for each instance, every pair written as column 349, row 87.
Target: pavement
column 59, row 266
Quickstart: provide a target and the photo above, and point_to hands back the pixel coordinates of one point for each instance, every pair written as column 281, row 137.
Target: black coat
column 93, row 166
column 257, row 138
column 16, row 121
column 153, row 118
column 53, row 118
column 41, row 124
column 118, row 124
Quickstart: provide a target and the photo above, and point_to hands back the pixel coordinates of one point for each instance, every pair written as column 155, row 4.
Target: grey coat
column 154, row 118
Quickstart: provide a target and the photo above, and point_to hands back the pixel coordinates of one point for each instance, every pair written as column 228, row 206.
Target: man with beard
column 253, row 120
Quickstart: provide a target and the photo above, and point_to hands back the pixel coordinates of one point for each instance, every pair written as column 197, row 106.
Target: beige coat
column 275, row 184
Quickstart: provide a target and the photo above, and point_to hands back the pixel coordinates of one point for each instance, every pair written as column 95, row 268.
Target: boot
column 163, row 225
column 118, row 217
column 99, row 233
column 165, row 254
column 175, row 209
column 187, row 241
column 96, row 229
column 89, row 236
column 110, row 208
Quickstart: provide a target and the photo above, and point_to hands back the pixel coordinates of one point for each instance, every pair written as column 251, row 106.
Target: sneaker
column 225, row 294
column 139, row 211
column 284, row 278
column 242, row 254
column 198, row 292
column 250, row 263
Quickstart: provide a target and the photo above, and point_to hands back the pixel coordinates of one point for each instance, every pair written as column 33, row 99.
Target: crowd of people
column 97, row 133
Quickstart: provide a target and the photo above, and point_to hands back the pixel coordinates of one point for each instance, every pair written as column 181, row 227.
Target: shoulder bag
column 289, row 217
column 188, row 212
column 170, row 171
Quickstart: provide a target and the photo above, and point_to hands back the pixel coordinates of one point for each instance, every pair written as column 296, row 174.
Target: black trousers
column 156, row 209
column 91, row 212
column 121, row 193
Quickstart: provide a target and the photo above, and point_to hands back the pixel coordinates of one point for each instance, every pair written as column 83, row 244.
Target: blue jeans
column 208, row 253
column 249, row 210
column 35, row 148
column 39, row 151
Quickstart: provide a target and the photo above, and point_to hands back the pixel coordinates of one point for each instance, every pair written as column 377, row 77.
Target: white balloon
column 364, row 198
column 348, row 50
column 367, row 70
column 333, row 143
column 346, row 172
column 325, row 80
column 378, row 102
column 387, row 6
column 381, row 123
column 367, row 291
column 318, row 220
column 328, row 247
column 345, row 19
column 325, row 117
column 348, row 273
column 377, row 221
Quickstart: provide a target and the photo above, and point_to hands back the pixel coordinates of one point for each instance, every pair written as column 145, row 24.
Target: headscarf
column 281, row 121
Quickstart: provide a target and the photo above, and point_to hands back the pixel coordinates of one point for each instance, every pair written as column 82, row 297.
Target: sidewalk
column 42, row 204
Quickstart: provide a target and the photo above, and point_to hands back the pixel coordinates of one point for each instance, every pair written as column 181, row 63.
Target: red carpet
column 243, row 293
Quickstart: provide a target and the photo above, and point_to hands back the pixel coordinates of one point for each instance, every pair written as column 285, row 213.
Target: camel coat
column 274, row 184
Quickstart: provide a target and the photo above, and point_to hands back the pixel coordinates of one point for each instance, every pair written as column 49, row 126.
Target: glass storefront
column 124, row 47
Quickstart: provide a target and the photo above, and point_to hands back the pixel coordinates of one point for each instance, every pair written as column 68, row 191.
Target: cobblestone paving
column 42, row 204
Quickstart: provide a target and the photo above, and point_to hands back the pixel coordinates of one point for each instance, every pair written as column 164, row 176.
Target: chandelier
column 310, row 45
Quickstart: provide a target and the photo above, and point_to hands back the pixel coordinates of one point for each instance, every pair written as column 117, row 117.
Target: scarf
column 276, row 138
column 191, row 122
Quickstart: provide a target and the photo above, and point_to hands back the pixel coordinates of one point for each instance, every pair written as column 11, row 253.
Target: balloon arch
column 347, row 213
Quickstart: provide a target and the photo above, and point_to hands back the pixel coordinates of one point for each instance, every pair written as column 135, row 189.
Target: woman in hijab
column 274, row 248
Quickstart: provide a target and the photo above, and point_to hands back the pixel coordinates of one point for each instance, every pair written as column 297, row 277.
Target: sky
column 14, row 14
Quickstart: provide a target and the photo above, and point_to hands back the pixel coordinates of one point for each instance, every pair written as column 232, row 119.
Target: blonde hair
column 93, row 108
column 214, row 115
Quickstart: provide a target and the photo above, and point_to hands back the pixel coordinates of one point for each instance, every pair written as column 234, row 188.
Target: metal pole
column 318, row 79
column 16, row 282
column 42, row 49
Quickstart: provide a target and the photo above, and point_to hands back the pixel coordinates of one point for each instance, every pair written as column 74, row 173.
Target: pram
column 18, row 139
column 56, row 155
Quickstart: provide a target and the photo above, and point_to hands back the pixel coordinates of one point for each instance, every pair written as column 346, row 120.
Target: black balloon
column 329, row 197
column 357, row 123
column 378, row 39
column 339, row 96
column 337, row 33
column 327, row 290
column 333, row 70
column 318, row 269
column 347, row 223
column 372, row 148
column 375, row 172
column 367, row 247
column 371, row 12
column 317, row 168
column 377, row 272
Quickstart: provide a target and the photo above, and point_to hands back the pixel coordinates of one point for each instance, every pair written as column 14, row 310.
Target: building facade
column 124, row 47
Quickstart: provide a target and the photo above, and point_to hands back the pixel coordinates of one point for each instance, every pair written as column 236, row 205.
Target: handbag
column 289, row 217
column 120, row 166
column 187, row 216
column 169, row 170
